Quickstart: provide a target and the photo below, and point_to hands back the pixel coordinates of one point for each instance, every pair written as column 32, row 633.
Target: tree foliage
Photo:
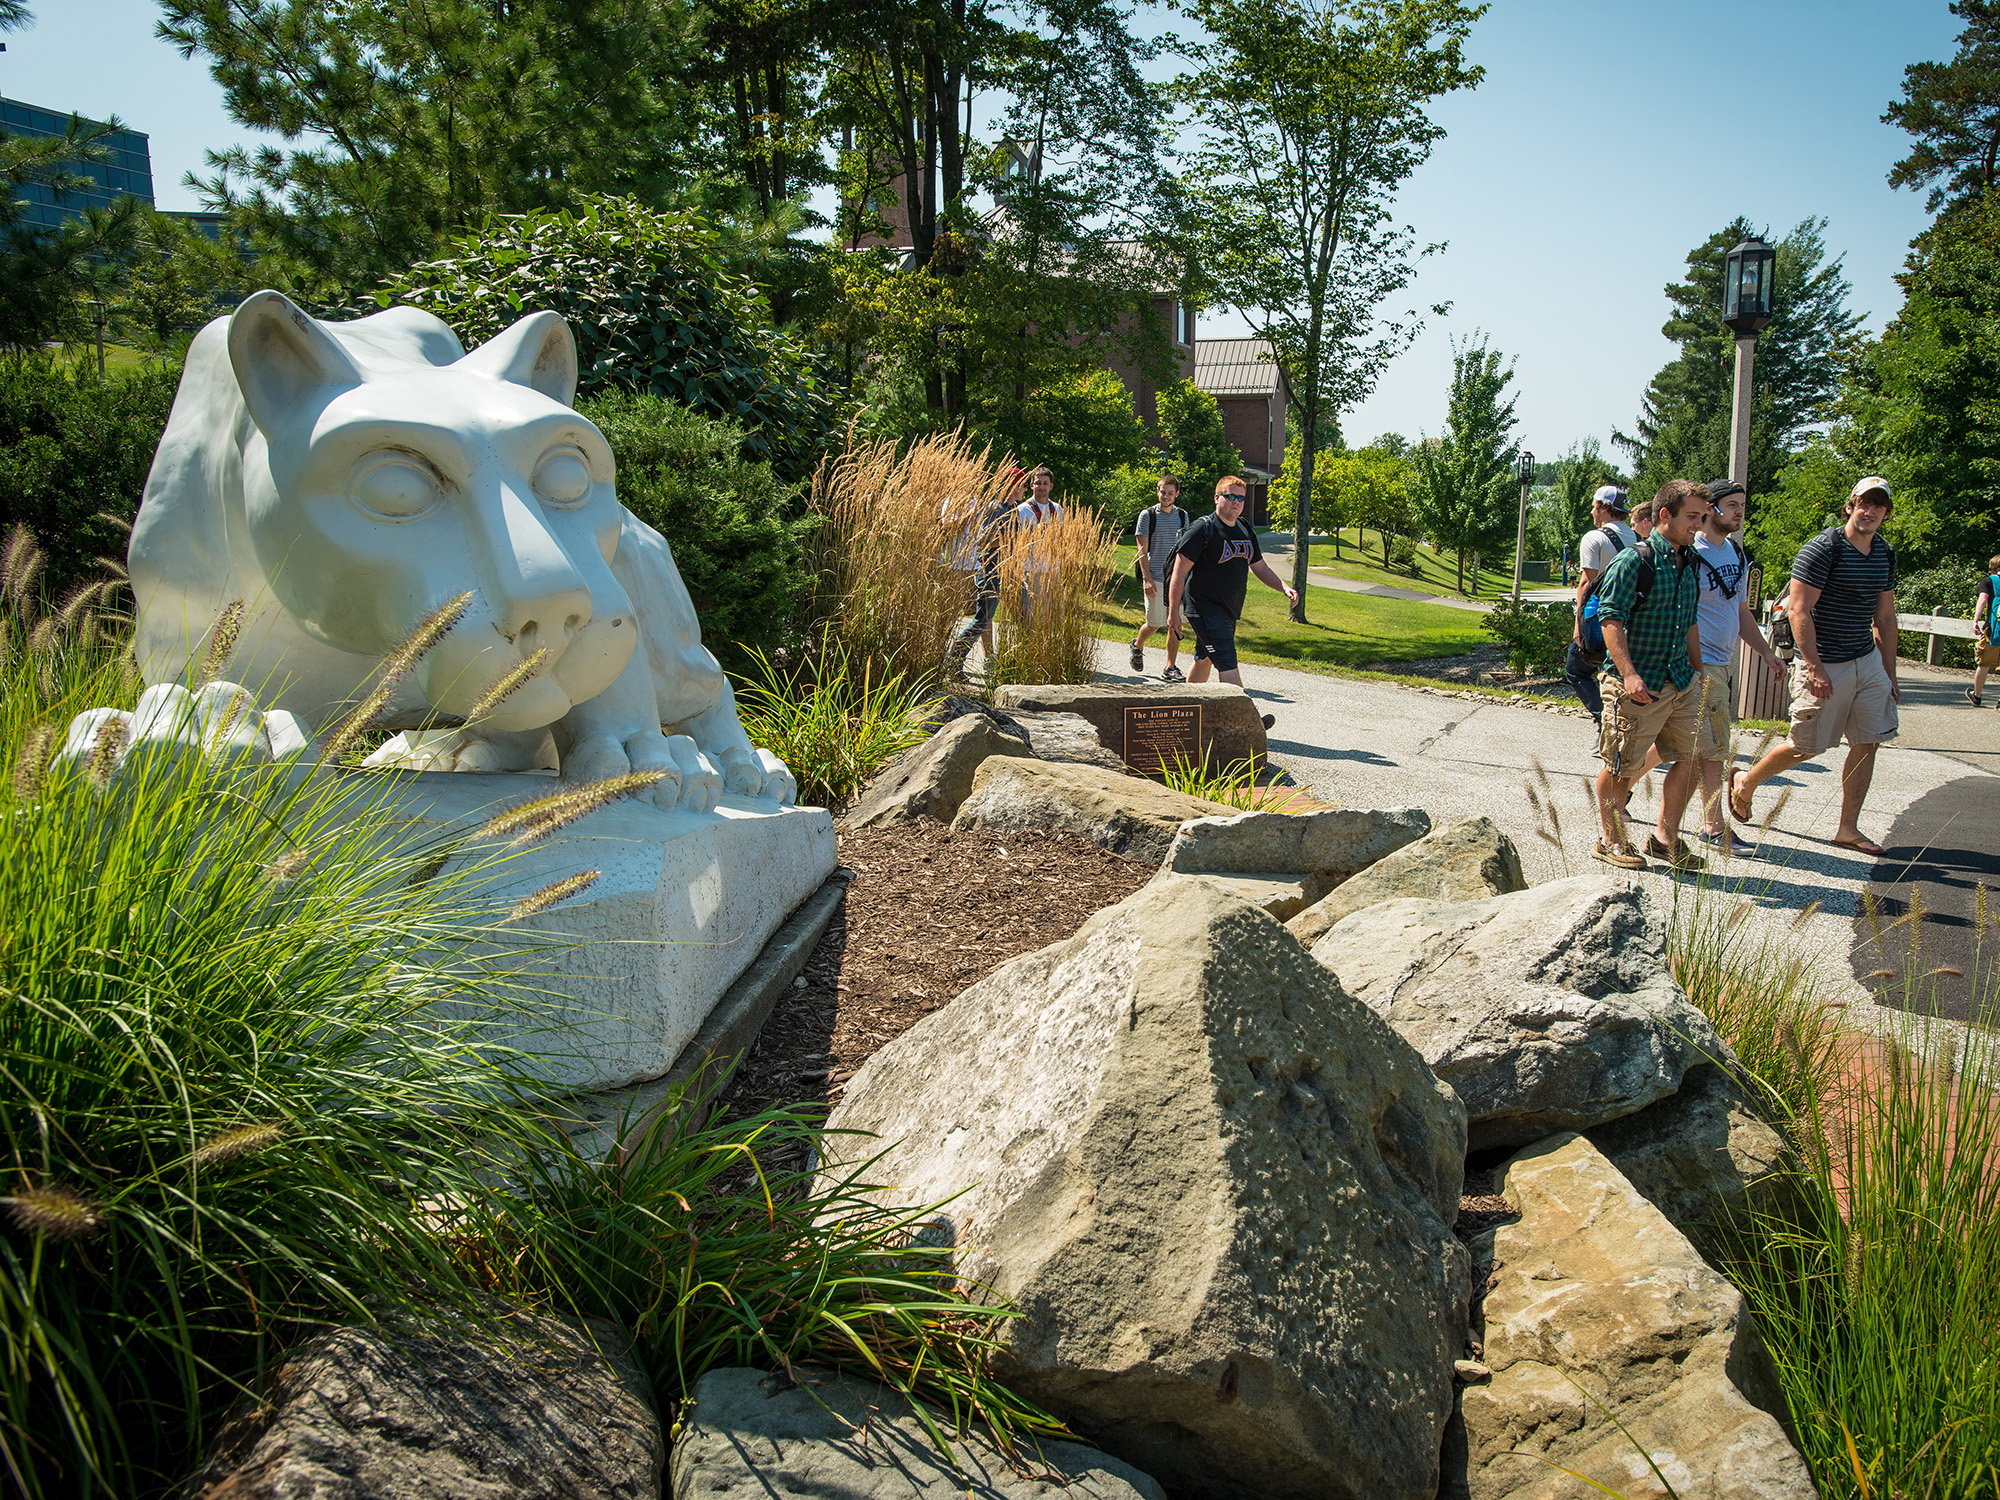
column 1684, row 419
column 653, row 307
column 1465, row 495
column 1953, row 110
column 175, row 280
column 1083, row 428
column 46, row 272
column 1193, row 445
column 1560, row 511
column 1312, row 113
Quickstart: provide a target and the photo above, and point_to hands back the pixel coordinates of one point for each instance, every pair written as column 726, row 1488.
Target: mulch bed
column 929, row 913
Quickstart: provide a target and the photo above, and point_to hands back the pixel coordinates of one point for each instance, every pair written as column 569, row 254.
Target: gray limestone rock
column 1464, row 862
column 1232, row 725
column 1126, row 814
column 1546, row 1009
column 1066, row 737
column 751, row 1436
column 936, row 777
column 1599, row 1315
column 520, row 1405
column 1219, row 1190
column 1334, row 843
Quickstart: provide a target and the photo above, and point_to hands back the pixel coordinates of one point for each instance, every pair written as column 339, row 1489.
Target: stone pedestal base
column 628, row 971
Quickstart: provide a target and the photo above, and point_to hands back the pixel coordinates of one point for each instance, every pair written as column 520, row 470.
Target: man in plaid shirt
column 1651, row 644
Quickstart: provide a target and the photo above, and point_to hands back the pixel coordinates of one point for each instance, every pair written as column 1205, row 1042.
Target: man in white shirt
column 1610, row 535
column 1038, row 509
column 1156, row 536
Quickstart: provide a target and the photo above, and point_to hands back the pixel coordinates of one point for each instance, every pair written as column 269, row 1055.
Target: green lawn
column 1438, row 571
column 1343, row 630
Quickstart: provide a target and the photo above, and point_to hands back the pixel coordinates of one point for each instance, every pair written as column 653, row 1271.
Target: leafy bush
column 1083, row 428
column 1537, row 636
column 1950, row 589
column 73, row 446
column 1403, row 556
column 684, row 474
column 653, row 308
column 831, row 719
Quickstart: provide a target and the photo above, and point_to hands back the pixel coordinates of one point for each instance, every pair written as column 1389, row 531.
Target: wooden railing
column 1936, row 626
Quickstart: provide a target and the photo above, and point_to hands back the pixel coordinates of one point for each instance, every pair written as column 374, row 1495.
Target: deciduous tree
column 1311, row 114
column 1465, row 491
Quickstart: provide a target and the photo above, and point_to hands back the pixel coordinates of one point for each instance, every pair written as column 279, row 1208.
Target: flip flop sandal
column 1740, row 814
column 1861, row 846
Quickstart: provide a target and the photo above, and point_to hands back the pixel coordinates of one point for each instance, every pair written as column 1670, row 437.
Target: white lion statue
column 344, row 480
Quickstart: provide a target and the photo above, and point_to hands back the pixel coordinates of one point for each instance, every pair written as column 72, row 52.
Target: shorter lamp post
column 1521, row 521
column 97, row 321
column 1747, row 276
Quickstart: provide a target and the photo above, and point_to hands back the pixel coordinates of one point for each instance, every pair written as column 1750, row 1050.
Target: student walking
column 1843, row 615
column 1212, row 566
column 1037, row 510
column 1986, row 617
column 1648, row 602
column 986, row 542
column 1156, row 534
column 1610, row 536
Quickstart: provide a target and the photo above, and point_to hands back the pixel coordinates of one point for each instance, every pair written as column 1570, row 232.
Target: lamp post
column 1521, row 521
column 1746, row 308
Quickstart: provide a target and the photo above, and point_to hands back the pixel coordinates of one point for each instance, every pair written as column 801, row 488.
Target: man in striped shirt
column 1843, row 613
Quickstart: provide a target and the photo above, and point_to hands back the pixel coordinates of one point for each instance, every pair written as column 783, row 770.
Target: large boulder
column 1546, row 1009
column 1610, row 1343
column 1333, row 843
column 749, row 1435
column 1066, row 737
column 1232, row 726
column 1219, row 1190
column 1123, row 813
column 936, row 777
column 1704, row 1156
column 1465, row 862
column 518, row 1405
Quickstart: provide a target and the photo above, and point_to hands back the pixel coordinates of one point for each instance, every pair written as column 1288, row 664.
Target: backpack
column 1591, row 626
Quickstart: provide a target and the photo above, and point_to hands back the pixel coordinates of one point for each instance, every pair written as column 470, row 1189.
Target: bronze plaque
column 1156, row 736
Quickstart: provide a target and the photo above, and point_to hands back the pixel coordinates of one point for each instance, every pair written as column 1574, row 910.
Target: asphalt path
column 1925, row 948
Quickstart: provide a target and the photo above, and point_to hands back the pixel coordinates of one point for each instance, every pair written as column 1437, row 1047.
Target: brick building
column 1250, row 390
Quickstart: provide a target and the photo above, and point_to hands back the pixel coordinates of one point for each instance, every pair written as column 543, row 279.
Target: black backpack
column 1590, row 627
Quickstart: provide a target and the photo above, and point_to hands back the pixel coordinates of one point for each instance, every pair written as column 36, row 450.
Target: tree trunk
column 1461, row 571
column 1302, row 522
column 1380, row 531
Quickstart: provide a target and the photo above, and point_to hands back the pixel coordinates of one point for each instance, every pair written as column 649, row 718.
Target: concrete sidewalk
column 1374, row 744
column 1280, row 558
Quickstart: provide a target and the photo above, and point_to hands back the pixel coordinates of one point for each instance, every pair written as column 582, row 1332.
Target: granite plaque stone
column 1158, row 736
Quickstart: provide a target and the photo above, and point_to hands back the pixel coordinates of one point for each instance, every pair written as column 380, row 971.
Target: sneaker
column 1680, row 856
column 1138, row 658
column 1622, row 855
column 1269, row 720
column 1172, row 674
column 1974, row 699
column 1728, row 843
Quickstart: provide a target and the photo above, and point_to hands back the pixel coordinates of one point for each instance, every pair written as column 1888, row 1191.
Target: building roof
column 1235, row 367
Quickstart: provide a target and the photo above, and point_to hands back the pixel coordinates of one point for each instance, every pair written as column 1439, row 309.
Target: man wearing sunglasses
column 1843, row 614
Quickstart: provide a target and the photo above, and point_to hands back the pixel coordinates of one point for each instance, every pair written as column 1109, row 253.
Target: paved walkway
column 1280, row 558
column 1372, row 744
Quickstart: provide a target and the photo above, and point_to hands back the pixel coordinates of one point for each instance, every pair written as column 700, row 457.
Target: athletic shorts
column 1860, row 708
column 1156, row 608
column 1712, row 739
column 1631, row 729
column 1215, row 640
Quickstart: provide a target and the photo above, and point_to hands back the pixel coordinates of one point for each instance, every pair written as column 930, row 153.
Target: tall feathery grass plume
column 508, row 685
column 552, row 894
column 1053, row 578
column 541, row 816
column 221, row 643
column 395, row 667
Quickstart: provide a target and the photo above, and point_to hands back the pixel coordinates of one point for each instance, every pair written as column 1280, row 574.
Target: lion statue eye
column 562, row 478
column 396, row 489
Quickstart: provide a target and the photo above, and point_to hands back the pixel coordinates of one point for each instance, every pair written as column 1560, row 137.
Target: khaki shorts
column 1156, row 608
column 1631, row 729
column 1860, row 707
column 1988, row 653
column 1712, row 740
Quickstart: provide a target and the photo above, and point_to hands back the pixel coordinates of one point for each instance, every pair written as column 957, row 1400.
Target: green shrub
column 653, row 309
column 72, row 446
column 1537, row 636
column 1403, row 556
column 684, row 474
column 833, row 719
column 1949, row 588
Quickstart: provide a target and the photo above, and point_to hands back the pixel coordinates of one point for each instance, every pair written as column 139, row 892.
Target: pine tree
column 1953, row 109
column 1464, row 494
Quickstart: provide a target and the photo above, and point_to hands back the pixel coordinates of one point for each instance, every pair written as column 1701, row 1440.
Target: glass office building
column 126, row 171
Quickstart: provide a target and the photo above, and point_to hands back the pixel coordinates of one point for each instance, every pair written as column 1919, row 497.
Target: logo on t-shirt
column 1232, row 550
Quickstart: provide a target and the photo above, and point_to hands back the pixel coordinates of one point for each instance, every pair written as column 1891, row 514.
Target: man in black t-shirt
column 1843, row 614
column 1212, row 566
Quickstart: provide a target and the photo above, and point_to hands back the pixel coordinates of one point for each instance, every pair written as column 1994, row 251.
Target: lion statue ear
column 539, row 352
column 281, row 357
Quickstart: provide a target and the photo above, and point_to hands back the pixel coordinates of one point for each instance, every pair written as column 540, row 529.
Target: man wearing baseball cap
column 1843, row 613
column 1612, row 535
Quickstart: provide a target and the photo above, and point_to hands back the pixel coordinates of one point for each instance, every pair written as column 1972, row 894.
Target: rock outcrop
column 1218, row 1188
column 750, row 1435
column 1465, row 862
column 1547, row 1009
column 521, row 1405
column 935, row 778
column 1232, row 726
column 1126, row 814
column 1704, row 1156
column 1600, row 1314
column 1068, row 738
column 1333, row 843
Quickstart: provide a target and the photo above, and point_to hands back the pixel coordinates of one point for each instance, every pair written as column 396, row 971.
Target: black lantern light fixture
column 1746, row 286
column 1527, row 467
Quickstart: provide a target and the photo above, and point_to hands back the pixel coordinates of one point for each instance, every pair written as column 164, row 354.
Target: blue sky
column 1608, row 139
